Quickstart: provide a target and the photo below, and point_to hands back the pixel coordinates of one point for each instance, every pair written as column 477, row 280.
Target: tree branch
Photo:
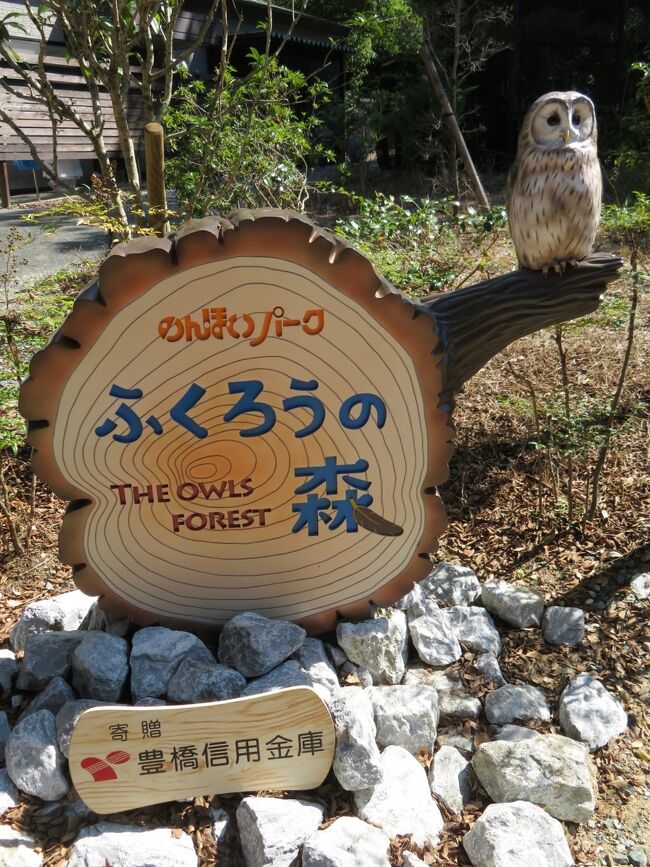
column 475, row 323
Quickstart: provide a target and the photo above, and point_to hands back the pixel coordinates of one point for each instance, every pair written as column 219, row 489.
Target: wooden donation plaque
column 244, row 416
column 122, row 758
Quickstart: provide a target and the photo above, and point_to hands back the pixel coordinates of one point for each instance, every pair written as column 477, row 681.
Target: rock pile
column 396, row 707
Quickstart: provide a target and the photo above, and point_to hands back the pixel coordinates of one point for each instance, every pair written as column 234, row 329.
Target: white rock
column 17, row 849
column 254, row 644
column 452, row 584
column 590, row 713
column 640, row 585
column 8, row 671
column 63, row 612
column 37, row 617
column 99, row 620
column 419, row 604
column 72, row 814
column 515, row 733
column 475, row 628
column 434, row 638
column 8, row 792
column 380, row 645
column 272, row 830
column 488, row 665
column 457, row 740
column 413, row 597
column 357, row 763
column 417, row 673
column 53, row 697
column 131, row 846
column 312, row 656
column 550, row 770
column 34, row 760
column 454, row 700
column 512, row 835
column 47, row 655
column 510, row 703
column 100, row 666
column 564, row 625
column 401, row 803
column 335, row 653
column 450, row 778
column 67, row 717
column 405, row 716
column 157, row 652
column 347, row 842
column 220, row 820
column 517, row 605
column 288, row 673
column 4, row 734
column 74, row 606
column 204, row 680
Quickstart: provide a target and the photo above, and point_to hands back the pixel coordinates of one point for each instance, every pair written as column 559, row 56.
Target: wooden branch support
column 154, row 149
column 5, row 194
column 476, row 323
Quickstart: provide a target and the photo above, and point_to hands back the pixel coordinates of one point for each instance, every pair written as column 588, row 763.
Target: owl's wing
column 510, row 181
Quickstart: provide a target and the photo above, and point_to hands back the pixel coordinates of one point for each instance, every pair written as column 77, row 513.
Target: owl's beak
column 566, row 135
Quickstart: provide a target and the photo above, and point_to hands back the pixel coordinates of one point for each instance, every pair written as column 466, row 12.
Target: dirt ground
column 493, row 499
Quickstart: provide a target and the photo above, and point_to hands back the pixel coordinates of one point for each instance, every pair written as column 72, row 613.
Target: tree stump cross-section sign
column 244, row 416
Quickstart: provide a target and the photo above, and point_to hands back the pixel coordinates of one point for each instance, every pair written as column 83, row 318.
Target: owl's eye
column 553, row 120
column 575, row 120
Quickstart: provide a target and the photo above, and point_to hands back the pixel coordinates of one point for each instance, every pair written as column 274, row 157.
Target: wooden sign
column 244, row 416
column 127, row 757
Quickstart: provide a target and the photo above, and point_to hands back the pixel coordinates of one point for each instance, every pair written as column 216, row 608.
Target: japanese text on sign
column 213, row 754
column 216, row 322
column 355, row 411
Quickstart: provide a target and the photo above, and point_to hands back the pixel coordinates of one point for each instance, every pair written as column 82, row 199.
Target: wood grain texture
column 127, row 757
column 133, row 555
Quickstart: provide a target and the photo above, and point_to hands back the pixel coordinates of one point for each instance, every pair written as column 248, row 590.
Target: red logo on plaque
column 100, row 770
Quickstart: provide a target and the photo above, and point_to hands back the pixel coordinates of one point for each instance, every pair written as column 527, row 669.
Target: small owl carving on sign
column 555, row 187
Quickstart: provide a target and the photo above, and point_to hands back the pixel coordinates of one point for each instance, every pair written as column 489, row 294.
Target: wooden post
column 5, row 195
column 154, row 152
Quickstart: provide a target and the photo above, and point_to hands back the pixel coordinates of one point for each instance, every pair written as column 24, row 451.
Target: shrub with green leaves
column 244, row 142
column 426, row 245
column 25, row 327
column 631, row 220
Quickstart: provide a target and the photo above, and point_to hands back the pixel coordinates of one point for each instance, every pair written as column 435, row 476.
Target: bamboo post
column 454, row 128
column 5, row 195
column 154, row 151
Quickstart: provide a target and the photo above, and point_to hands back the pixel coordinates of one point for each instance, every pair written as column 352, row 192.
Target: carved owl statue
column 555, row 186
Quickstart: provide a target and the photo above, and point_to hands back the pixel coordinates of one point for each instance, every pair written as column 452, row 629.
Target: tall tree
column 123, row 48
column 459, row 39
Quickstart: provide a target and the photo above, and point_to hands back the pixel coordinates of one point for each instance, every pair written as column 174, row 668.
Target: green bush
column 25, row 327
column 423, row 246
column 244, row 142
